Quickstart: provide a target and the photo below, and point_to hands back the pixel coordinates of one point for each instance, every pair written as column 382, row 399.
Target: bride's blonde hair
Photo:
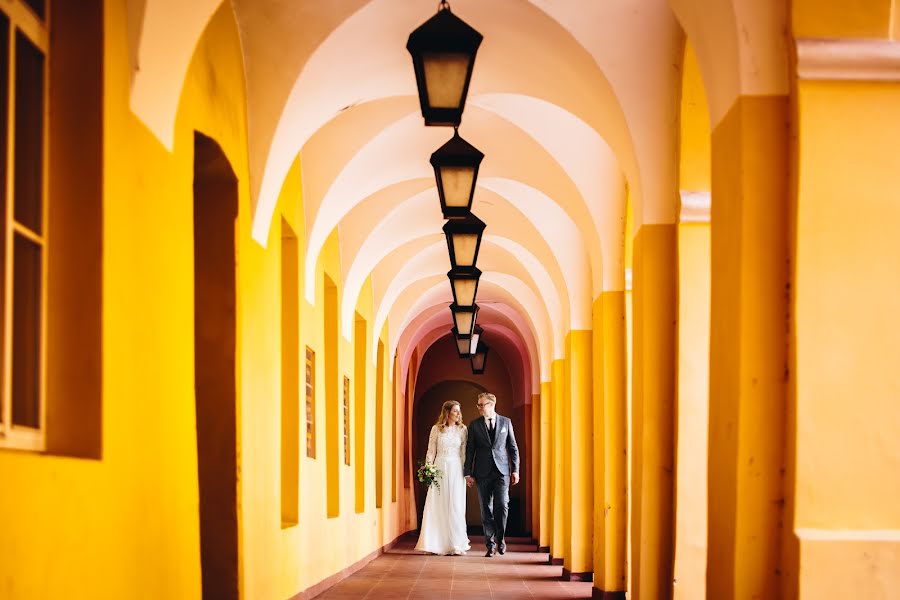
column 445, row 414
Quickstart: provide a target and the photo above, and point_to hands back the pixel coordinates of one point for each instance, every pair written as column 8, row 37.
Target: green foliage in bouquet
column 428, row 474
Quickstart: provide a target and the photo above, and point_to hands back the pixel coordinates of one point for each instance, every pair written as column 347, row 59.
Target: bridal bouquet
column 428, row 474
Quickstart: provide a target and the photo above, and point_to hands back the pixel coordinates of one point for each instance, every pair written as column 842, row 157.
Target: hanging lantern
column 476, row 335
column 464, row 240
column 464, row 318
column 456, row 171
column 443, row 53
column 464, row 284
column 478, row 359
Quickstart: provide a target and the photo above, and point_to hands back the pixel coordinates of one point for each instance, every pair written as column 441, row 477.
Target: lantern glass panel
column 445, row 78
column 464, row 320
column 464, row 291
column 473, row 343
column 464, row 247
column 457, row 185
column 462, row 346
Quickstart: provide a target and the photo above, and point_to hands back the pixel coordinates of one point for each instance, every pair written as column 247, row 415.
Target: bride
column 444, row 519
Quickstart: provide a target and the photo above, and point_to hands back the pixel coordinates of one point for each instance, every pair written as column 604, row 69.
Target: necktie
column 491, row 427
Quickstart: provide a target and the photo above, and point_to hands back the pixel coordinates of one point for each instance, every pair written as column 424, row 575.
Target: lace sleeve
column 432, row 445
column 462, row 446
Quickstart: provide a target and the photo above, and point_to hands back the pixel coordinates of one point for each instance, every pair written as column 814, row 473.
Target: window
column 24, row 41
column 310, row 403
column 346, row 420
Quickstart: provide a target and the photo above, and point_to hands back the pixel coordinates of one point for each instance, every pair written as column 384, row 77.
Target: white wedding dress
column 444, row 519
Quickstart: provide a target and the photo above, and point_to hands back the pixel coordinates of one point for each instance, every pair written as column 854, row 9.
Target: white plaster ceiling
column 575, row 105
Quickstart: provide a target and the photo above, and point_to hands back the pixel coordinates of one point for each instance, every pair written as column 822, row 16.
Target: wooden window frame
column 346, row 420
column 23, row 19
column 310, row 403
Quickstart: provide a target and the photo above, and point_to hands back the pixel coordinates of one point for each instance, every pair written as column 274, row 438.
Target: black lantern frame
column 441, row 46
column 464, row 284
column 456, row 230
column 478, row 359
column 461, row 158
column 464, row 318
column 465, row 343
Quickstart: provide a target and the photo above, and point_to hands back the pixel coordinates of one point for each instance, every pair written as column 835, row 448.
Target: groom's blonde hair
column 487, row 396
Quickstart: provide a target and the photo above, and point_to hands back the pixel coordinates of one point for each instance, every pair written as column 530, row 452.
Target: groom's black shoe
column 502, row 548
column 490, row 552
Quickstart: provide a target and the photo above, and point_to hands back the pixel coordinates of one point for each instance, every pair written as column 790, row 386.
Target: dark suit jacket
column 482, row 456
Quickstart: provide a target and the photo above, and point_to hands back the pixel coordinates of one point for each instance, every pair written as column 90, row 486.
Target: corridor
column 521, row 574
column 252, row 250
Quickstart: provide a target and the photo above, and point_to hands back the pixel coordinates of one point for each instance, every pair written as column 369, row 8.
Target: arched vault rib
column 419, row 217
column 639, row 47
column 518, row 40
column 519, row 299
column 589, row 162
column 426, row 270
column 496, row 336
column 752, row 63
column 162, row 36
column 400, row 153
column 435, row 320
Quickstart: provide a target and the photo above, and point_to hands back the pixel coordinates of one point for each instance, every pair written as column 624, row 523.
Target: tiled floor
column 404, row 573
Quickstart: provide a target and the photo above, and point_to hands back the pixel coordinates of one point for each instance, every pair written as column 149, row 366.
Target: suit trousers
column 493, row 491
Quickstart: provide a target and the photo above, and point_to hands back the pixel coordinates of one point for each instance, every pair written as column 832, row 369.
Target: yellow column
column 546, row 448
column 610, row 446
column 693, row 411
column 655, row 300
column 844, row 413
column 598, row 447
column 748, row 340
column 578, row 564
column 535, row 477
column 557, row 541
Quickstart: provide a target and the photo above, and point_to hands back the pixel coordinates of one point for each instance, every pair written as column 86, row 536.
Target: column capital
column 848, row 59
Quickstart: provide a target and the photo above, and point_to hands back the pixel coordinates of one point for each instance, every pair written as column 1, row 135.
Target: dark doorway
column 215, row 212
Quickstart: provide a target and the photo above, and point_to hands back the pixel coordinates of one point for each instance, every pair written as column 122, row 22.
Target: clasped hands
column 513, row 479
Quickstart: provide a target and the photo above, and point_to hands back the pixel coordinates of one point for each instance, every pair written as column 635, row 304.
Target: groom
column 492, row 461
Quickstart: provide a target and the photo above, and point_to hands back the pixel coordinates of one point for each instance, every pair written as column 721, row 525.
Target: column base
column 598, row 594
column 544, row 549
column 557, row 562
column 567, row 575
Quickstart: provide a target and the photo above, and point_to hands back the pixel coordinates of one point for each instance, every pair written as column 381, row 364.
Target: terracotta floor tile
column 404, row 574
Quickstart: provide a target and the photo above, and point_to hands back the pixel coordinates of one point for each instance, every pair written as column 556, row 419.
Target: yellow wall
column 842, row 18
column 129, row 526
column 847, row 414
column 695, row 138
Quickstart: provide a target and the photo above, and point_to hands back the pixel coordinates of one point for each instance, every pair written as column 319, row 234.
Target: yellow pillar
column 748, row 340
column 693, row 410
column 655, row 300
column 610, row 446
column 844, row 414
column 534, row 444
column 578, row 565
column 557, row 541
column 546, row 448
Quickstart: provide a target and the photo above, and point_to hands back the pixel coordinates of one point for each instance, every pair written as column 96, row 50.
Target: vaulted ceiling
column 575, row 105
